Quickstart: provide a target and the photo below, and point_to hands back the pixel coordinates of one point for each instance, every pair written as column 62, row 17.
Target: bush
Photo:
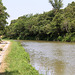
column 73, row 39
column 59, row 38
column 67, row 37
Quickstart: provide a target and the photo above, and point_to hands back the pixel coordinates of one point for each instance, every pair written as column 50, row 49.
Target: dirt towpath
column 4, row 45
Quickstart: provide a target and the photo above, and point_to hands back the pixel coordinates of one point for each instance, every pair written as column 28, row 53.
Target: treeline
column 55, row 25
column 3, row 16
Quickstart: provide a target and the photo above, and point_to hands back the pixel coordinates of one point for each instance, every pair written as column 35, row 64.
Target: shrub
column 59, row 38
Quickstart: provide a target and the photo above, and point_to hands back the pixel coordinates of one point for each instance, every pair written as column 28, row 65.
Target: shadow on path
column 10, row 73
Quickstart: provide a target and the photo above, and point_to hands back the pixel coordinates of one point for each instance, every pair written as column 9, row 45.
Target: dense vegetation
column 55, row 25
column 18, row 61
column 3, row 16
column 57, row 4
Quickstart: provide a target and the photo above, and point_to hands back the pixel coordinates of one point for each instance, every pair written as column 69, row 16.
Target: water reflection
column 51, row 58
column 42, row 64
column 59, row 67
column 58, row 52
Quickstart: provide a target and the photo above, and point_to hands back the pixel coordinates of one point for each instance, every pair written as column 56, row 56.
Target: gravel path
column 4, row 46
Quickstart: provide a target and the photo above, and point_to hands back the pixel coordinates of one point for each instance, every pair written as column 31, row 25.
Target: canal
column 51, row 58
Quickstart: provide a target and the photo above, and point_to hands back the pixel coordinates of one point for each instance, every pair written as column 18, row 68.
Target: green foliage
column 47, row 26
column 59, row 38
column 3, row 16
column 57, row 4
column 67, row 37
column 18, row 61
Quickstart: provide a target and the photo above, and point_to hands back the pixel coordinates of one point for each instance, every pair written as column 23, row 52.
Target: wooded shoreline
column 55, row 25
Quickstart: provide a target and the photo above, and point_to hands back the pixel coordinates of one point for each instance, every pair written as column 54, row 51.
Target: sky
column 17, row 8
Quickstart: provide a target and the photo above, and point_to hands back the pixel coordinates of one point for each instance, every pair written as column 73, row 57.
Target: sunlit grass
column 18, row 61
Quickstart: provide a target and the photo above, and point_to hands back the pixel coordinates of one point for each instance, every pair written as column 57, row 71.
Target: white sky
column 17, row 8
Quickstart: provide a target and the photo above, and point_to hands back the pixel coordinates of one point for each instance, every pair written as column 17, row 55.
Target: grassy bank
column 18, row 61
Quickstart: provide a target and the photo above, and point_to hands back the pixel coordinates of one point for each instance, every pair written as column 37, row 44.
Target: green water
column 51, row 58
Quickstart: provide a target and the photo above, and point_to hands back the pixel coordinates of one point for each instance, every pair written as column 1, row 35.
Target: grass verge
column 18, row 61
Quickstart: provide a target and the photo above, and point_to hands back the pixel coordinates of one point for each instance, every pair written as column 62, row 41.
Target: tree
column 3, row 16
column 57, row 4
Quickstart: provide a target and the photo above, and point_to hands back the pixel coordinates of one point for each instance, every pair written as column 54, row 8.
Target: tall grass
column 18, row 61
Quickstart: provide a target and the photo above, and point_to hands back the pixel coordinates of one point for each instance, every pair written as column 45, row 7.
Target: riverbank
column 19, row 61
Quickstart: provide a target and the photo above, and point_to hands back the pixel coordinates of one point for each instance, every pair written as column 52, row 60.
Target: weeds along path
column 4, row 45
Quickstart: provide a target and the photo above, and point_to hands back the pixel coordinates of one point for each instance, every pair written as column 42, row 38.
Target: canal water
column 51, row 58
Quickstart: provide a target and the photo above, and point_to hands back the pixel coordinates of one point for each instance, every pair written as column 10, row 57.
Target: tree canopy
column 57, row 4
column 3, row 16
column 51, row 26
